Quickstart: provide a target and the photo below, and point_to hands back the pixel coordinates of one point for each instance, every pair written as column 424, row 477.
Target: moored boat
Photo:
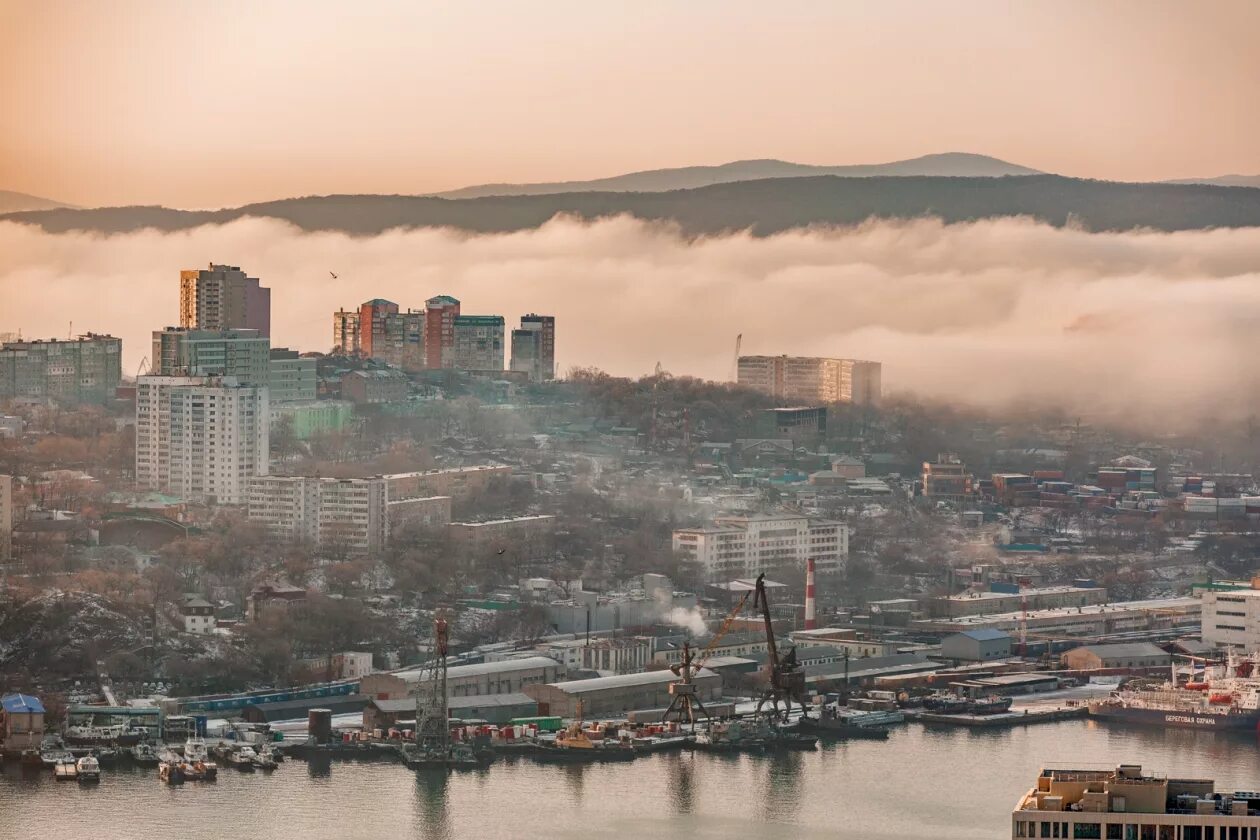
column 1226, row 699
column 66, row 770
column 88, row 769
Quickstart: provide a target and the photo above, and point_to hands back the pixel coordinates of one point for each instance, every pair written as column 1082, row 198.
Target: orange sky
column 201, row 104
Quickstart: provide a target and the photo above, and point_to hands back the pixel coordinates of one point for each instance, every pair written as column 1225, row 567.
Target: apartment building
column 534, row 347
column 348, row 512
column 479, row 342
column 380, row 330
column 222, row 297
column 525, row 537
column 946, row 479
column 457, row 482
column 346, row 332
column 201, row 438
column 291, row 377
column 746, row 545
column 808, row 379
column 440, row 313
column 86, row 369
column 242, row 354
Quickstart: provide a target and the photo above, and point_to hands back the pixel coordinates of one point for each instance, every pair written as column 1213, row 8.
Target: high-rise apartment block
column 534, row 347
column 378, row 330
column 807, row 379
column 199, row 437
column 347, row 512
column 86, row 369
column 346, row 332
column 439, row 331
column 479, row 342
column 242, row 354
column 223, row 298
column 737, row 546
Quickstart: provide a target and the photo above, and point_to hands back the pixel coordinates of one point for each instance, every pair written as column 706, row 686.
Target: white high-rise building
column 201, row 438
column 352, row 512
column 742, row 546
column 1232, row 618
column 810, row 380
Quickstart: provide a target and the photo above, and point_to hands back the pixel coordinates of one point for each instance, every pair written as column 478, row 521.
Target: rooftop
column 1043, row 590
column 21, row 704
column 525, row 663
column 623, row 681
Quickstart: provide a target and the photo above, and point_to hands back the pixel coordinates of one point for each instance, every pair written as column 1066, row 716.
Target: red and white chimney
column 811, row 608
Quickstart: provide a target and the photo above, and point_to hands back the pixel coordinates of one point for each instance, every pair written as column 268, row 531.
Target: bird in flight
column 334, row 275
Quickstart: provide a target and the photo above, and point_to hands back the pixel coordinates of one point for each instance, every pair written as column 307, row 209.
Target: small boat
column 946, row 704
column 243, row 758
column 265, row 759
column 144, row 754
column 52, row 750
column 31, row 758
column 991, row 705
column 198, row 755
column 94, row 736
column 170, row 773
column 88, row 769
column 66, row 770
column 106, row 755
column 661, row 743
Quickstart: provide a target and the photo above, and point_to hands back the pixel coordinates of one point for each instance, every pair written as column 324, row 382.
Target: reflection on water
column 962, row 782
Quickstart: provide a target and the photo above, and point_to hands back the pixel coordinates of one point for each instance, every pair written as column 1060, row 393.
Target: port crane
column 685, row 702
column 787, row 677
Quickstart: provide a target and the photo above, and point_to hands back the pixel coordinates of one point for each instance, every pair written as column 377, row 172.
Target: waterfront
column 952, row 784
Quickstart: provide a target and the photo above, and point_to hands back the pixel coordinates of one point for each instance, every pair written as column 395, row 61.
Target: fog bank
column 987, row 312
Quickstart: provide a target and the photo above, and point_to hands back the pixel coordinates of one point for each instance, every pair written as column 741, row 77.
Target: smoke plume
column 991, row 312
column 691, row 619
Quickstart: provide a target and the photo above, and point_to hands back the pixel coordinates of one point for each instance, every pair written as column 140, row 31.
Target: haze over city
column 491, row 420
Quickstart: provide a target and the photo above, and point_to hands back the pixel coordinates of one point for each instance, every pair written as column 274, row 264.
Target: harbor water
column 923, row 782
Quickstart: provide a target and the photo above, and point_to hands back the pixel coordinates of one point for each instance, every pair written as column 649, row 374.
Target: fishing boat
column 88, row 769
column 170, row 773
column 731, row 736
column 243, row 758
column 94, row 736
column 144, row 754
column 990, row 705
column 106, row 755
column 66, row 770
column 946, row 704
column 265, row 759
column 198, row 755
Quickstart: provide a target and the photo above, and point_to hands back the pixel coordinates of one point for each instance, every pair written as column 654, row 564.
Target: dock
column 1016, row 717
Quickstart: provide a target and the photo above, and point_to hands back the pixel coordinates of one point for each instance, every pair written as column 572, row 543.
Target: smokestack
column 811, row 621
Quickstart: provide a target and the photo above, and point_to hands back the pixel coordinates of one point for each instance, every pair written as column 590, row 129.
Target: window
column 1087, row 831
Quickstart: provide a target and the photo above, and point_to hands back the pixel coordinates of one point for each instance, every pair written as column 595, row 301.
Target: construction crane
column 787, row 677
column 685, row 703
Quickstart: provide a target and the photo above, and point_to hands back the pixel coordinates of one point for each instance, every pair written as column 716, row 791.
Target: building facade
column 742, row 546
column 1232, row 618
column 479, row 342
column 350, row 513
column 373, row 315
column 534, row 347
column 810, row 379
column 346, row 332
column 223, row 298
column 87, row 369
column 946, row 479
column 6, row 518
column 201, row 438
column 317, row 417
column 240, row 353
column 290, row 377
column 440, row 313
column 377, row 385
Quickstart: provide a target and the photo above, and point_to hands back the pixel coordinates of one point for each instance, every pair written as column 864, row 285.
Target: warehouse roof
column 297, row 709
column 21, row 704
column 985, row 635
column 622, row 681
column 872, row 666
column 408, row 704
column 1133, row 649
column 525, row 663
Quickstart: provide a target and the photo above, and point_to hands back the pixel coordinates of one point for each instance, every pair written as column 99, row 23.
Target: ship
column 1227, row 698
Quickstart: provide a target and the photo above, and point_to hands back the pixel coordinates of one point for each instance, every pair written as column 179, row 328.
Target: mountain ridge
column 17, row 202
column 944, row 164
column 761, row 207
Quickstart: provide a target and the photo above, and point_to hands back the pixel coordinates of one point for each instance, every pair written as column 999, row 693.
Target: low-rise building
column 317, row 417
column 749, row 545
column 999, row 601
column 619, row 694
column 1231, row 616
column 457, row 482
column 1126, row 803
column 429, row 511
column 375, row 385
column 197, row 614
column 525, row 536
column 1093, row 620
column 1129, row 655
column 273, row 594
column 21, row 724
column 978, row 645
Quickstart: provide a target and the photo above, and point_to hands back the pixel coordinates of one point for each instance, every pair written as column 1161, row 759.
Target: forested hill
column 764, row 206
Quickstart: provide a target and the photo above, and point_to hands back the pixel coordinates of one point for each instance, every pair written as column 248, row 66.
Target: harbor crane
column 787, row 677
column 685, row 702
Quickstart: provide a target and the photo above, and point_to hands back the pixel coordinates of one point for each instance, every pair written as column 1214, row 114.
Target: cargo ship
column 1227, row 698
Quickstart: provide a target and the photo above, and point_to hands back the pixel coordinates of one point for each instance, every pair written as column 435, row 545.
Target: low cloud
column 990, row 313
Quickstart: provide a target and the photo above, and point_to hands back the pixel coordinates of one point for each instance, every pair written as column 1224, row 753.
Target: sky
column 195, row 104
